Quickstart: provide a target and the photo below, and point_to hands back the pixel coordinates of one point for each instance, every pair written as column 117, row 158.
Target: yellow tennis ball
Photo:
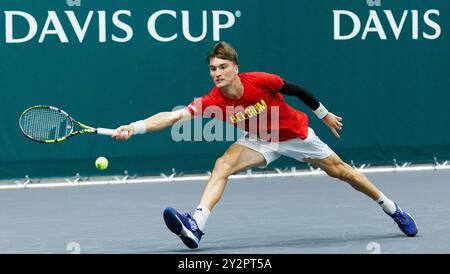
column 101, row 163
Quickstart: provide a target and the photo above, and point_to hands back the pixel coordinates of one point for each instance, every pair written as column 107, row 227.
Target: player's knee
column 342, row 172
column 223, row 167
column 346, row 174
column 334, row 172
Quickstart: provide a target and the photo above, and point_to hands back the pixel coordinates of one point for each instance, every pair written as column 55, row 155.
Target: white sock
column 386, row 204
column 201, row 215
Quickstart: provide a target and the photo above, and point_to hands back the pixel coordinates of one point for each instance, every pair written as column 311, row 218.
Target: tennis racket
column 47, row 124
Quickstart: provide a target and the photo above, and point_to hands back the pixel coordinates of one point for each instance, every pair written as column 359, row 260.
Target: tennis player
column 243, row 98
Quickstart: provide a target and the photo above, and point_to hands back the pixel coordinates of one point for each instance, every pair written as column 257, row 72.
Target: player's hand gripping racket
column 47, row 124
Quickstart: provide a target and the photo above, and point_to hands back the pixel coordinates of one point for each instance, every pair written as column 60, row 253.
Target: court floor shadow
column 271, row 245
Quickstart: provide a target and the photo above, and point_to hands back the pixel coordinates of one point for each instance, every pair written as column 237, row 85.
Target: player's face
column 223, row 72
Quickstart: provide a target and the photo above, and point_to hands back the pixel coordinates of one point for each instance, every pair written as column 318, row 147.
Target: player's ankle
column 201, row 216
column 387, row 204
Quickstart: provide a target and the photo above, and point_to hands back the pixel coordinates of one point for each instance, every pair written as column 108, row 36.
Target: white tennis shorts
column 312, row 147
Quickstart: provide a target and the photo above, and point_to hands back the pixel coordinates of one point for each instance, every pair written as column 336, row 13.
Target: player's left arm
column 333, row 121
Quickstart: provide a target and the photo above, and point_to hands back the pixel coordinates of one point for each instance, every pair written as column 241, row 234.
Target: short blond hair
column 223, row 50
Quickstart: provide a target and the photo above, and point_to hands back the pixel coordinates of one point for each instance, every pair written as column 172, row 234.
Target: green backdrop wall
column 393, row 94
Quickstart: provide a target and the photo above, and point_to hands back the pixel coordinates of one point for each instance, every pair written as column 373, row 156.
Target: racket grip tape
column 106, row 131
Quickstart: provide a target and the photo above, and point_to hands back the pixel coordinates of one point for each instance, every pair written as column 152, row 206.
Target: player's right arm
column 156, row 122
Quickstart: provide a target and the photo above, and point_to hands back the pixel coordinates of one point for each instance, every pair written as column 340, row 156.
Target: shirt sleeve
column 272, row 82
column 301, row 93
column 198, row 106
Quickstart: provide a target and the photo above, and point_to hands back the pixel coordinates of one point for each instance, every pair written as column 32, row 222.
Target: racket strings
column 45, row 124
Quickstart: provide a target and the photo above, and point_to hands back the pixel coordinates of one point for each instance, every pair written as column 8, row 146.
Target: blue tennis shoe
column 184, row 226
column 404, row 221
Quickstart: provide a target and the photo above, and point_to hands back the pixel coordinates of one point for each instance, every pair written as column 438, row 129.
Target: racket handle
column 105, row 131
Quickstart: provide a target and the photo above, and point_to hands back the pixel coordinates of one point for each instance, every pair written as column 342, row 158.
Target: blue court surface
column 298, row 215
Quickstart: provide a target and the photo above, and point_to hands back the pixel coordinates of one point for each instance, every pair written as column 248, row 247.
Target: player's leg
column 316, row 152
column 335, row 167
column 190, row 229
column 235, row 159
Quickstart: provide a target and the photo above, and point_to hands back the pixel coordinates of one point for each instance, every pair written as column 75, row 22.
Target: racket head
column 46, row 124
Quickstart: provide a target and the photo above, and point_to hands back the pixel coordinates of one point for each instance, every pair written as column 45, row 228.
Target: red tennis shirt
column 261, row 110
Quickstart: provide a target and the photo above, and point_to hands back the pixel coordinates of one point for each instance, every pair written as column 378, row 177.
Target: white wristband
column 139, row 127
column 321, row 111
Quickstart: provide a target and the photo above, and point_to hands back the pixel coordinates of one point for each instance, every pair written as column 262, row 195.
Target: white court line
column 312, row 172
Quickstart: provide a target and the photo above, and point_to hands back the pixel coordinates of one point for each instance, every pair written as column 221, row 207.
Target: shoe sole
column 176, row 226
